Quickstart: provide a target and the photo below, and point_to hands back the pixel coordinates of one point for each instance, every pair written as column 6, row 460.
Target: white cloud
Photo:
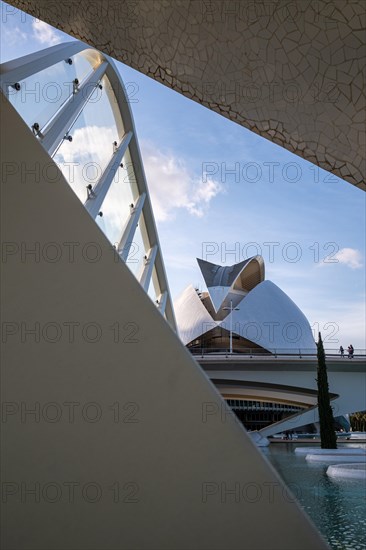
column 89, row 143
column 351, row 257
column 172, row 185
column 342, row 324
column 84, row 159
column 13, row 36
column 44, row 33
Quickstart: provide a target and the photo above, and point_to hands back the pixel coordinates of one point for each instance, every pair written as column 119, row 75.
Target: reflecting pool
column 336, row 506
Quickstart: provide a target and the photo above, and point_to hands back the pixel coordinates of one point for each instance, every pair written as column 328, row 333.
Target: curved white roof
column 266, row 316
column 192, row 317
column 269, row 318
column 220, row 280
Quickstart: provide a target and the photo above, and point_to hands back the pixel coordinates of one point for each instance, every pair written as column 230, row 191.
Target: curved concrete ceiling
column 291, row 72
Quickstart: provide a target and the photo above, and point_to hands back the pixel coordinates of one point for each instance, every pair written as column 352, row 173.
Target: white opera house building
column 241, row 312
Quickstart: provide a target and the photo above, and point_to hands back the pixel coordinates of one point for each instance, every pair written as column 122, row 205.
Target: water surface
column 337, row 507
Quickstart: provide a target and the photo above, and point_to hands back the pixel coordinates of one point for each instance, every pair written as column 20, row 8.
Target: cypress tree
column 327, row 433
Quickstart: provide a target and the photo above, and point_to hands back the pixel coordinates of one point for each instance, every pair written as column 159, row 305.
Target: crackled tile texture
column 292, row 72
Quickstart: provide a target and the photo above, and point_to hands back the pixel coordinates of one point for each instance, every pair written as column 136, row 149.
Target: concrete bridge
column 288, row 379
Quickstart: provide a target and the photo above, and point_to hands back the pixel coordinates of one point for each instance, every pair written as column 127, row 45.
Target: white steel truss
column 56, row 129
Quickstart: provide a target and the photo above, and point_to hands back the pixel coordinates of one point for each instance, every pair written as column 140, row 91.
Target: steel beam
column 17, row 70
column 130, row 228
column 61, row 123
column 94, row 202
column 162, row 302
column 148, row 268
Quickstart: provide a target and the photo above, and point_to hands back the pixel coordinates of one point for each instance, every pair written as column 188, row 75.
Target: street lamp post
column 231, row 309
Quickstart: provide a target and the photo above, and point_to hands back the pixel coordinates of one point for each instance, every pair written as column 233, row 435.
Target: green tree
column 328, row 436
column 358, row 421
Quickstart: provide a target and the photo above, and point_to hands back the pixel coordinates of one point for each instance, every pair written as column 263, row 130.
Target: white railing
column 280, row 352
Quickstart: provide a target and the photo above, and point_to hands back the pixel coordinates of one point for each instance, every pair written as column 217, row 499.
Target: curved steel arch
column 52, row 134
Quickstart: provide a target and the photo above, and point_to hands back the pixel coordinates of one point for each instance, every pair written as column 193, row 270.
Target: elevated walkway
column 289, row 378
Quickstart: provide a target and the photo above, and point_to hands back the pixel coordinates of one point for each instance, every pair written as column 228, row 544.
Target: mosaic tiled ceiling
column 292, row 72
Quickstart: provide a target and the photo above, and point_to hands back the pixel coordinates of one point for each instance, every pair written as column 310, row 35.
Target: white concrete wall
column 150, row 438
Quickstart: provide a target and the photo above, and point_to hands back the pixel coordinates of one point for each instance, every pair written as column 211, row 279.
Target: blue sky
column 308, row 224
